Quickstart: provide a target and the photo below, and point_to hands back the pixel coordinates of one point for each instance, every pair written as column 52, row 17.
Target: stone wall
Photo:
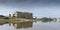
column 23, row 15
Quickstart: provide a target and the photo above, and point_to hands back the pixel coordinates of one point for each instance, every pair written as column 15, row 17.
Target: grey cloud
column 30, row 1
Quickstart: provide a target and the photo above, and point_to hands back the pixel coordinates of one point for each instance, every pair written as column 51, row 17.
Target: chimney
column 9, row 15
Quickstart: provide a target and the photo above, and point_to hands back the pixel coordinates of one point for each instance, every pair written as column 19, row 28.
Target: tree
column 45, row 19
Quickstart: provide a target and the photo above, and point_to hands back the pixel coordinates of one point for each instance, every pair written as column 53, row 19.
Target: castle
column 23, row 15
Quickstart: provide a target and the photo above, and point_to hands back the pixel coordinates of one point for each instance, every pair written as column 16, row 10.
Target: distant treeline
column 3, row 17
column 45, row 19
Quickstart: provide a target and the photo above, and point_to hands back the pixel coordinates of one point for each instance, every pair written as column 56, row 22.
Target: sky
column 39, row 8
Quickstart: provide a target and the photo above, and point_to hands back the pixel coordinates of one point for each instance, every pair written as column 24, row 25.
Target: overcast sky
column 39, row 8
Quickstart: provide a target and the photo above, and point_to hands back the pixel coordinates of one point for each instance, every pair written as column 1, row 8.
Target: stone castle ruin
column 23, row 15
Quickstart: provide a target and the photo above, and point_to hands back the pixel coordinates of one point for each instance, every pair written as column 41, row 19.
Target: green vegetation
column 45, row 19
column 2, row 16
column 6, row 18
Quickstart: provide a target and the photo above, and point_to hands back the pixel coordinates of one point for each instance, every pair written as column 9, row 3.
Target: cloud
column 39, row 8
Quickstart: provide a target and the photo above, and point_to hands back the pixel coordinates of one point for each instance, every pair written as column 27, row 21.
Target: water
column 32, row 26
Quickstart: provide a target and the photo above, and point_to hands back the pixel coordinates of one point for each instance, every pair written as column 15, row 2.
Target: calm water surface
column 32, row 26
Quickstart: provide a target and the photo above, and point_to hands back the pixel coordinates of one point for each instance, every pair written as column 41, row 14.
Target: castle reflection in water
column 20, row 25
column 23, row 25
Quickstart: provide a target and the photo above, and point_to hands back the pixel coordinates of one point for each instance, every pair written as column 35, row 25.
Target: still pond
column 31, row 26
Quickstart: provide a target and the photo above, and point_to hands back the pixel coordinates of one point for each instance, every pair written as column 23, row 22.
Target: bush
column 44, row 19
